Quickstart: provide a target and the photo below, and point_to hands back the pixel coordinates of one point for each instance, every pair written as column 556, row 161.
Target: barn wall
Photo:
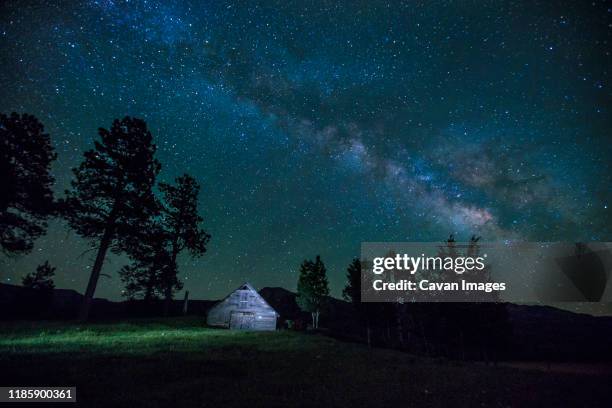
column 265, row 322
column 245, row 301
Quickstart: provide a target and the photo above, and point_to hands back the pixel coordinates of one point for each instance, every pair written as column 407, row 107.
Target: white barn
column 243, row 309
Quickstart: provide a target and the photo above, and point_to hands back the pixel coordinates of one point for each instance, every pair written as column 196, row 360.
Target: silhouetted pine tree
column 42, row 279
column 181, row 222
column 312, row 288
column 352, row 290
column 151, row 264
column 352, row 293
column 26, row 198
column 112, row 192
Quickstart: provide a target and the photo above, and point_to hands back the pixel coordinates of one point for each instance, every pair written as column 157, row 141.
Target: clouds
column 509, row 174
column 411, row 188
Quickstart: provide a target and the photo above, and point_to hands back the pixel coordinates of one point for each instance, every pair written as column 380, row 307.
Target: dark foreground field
column 167, row 363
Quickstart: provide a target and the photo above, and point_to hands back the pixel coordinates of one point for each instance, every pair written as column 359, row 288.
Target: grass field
column 177, row 362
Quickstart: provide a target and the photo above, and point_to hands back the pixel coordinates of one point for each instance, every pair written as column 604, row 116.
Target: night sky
column 315, row 125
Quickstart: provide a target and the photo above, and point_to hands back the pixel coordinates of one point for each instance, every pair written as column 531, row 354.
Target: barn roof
column 249, row 287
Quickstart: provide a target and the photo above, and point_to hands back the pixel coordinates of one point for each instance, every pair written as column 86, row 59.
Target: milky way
column 314, row 126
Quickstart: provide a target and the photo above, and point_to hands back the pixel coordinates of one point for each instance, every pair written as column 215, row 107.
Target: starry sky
column 315, row 125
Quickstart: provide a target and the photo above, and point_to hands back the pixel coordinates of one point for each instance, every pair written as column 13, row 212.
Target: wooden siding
column 243, row 309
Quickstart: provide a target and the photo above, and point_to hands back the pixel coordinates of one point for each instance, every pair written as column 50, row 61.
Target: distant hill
column 541, row 331
column 283, row 301
column 17, row 302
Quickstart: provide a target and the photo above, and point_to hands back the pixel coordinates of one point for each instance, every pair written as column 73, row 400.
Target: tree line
column 464, row 330
column 112, row 203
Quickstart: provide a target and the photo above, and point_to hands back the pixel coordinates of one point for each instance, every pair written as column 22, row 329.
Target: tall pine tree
column 26, row 198
column 112, row 192
column 182, row 226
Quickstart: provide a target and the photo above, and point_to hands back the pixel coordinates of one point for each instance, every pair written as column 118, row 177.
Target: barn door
column 242, row 320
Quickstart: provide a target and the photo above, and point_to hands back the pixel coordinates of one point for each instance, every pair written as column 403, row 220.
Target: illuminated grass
column 146, row 337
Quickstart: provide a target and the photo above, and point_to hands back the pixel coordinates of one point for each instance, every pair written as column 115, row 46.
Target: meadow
column 179, row 362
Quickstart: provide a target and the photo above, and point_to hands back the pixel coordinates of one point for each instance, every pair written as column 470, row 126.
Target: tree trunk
column 167, row 300
column 400, row 326
column 425, row 341
column 186, row 302
column 168, row 292
column 95, row 274
column 314, row 321
column 149, row 292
